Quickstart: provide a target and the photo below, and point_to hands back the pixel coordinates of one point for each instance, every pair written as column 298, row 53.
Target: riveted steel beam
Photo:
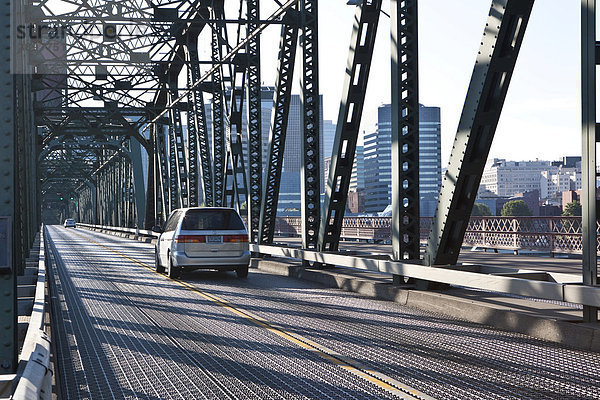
column 358, row 67
column 177, row 153
column 138, row 181
column 162, row 174
column 254, row 121
column 502, row 38
column 163, row 198
column 310, row 181
column 278, row 130
column 198, row 125
column 405, row 131
column 236, row 187
column 589, row 62
column 218, row 123
column 192, row 147
column 8, row 163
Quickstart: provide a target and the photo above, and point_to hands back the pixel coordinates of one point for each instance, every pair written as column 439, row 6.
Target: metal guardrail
column 548, row 234
column 522, row 282
column 132, row 232
column 34, row 375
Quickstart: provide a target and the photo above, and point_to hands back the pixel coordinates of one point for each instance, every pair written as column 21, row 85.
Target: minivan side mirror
column 157, row 229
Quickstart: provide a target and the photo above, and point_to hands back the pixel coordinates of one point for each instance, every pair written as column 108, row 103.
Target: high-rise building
column 378, row 160
column 505, row 178
column 292, row 157
column 357, row 180
column 328, row 138
column 430, row 153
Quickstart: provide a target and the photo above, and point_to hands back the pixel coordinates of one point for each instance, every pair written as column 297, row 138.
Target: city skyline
column 450, row 33
column 449, row 37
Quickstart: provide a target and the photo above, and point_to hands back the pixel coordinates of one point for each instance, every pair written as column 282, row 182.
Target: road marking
column 383, row 381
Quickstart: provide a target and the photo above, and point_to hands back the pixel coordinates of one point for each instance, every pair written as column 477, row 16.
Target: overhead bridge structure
column 116, row 112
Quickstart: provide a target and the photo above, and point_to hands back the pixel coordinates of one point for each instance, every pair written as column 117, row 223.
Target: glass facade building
column 378, row 160
column 289, row 198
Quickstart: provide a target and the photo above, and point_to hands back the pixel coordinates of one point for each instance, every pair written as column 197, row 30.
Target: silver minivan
column 203, row 237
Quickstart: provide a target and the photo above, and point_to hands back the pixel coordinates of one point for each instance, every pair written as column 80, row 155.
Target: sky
column 541, row 118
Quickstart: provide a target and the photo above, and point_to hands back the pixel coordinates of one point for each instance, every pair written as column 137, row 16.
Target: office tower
column 378, row 160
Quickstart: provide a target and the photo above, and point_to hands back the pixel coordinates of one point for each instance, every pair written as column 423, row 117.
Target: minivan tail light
column 235, row 238
column 190, row 239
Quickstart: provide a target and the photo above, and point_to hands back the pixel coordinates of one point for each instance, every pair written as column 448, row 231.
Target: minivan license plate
column 214, row 239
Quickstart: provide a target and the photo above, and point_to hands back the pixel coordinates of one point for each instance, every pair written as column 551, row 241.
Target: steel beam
column 8, row 260
column 278, row 131
column 218, row 125
column 405, row 130
column 502, row 38
column 175, row 198
column 163, row 173
column 310, row 181
column 272, row 19
column 358, row 67
column 235, row 179
column 179, row 159
column 151, row 188
column 200, row 123
column 138, row 181
column 254, row 121
column 589, row 141
column 192, row 146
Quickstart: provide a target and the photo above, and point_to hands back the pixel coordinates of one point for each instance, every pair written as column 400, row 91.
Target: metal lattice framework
column 348, row 124
column 101, row 92
column 279, row 120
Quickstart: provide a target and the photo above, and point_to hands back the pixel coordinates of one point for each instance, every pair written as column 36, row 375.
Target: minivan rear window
column 212, row 220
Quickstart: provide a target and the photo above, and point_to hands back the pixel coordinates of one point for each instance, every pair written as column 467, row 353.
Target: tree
column 481, row 210
column 573, row 209
column 515, row 208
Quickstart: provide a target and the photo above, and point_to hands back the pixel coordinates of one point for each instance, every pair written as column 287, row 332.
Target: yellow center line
column 305, row 343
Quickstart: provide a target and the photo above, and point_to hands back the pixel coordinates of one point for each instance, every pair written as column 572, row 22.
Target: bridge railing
column 549, row 234
column 34, row 374
column 529, row 283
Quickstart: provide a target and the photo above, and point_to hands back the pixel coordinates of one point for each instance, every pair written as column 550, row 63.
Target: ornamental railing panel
column 547, row 234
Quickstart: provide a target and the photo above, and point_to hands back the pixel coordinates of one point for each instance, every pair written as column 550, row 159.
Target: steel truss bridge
column 96, row 94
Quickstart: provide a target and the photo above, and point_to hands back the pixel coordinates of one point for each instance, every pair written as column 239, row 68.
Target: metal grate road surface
column 208, row 327
column 125, row 332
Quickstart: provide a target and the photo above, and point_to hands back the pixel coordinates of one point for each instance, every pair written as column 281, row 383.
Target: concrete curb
column 144, row 239
column 575, row 335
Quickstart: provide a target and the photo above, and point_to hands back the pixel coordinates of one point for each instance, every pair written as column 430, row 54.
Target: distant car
column 203, row 238
column 70, row 223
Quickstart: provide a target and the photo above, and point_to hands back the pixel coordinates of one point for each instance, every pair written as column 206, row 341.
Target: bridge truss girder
column 356, row 79
column 87, row 111
column 278, row 130
column 504, row 32
column 590, row 139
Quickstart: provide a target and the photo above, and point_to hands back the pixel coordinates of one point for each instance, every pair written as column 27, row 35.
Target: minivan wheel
column 174, row 272
column 242, row 271
column 159, row 268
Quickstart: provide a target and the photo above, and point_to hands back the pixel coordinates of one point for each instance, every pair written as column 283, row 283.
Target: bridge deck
column 124, row 331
